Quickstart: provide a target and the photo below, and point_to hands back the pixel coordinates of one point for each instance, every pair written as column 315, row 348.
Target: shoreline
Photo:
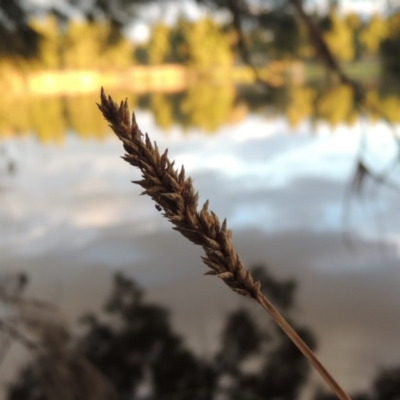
column 168, row 78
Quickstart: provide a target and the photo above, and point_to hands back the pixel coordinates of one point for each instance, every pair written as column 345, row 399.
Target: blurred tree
column 48, row 120
column 139, row 338
column 322, row 395
column 285, row 21
column 206, row 106
column 86, row 46
column 281, row 369
column 381, row 105
column 286, row 34
column 338, row 35
column 207, row 45
column 355, row 23
column 385, row 386
column 373, row 33
column 301, row 104
column 50, row 45
column 58, row 371
column 161, row 107
column 119, row 13
column 114, row 54
column 390, row 47
column 284, row 371
column 372, row 101
column 141, row 54
column 81, row 45
column 158, row 47
column 336, row 105
column 389, row 107
column 18, row 38
column 89, row 127
column 134, row 347
column 11, row 73
column 15, row 115
column 178, row 44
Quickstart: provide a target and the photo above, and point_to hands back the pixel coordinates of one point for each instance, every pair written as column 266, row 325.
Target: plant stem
column 176, row 195
column 307, row 352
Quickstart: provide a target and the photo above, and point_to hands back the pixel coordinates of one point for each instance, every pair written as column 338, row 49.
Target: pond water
column 69, row 217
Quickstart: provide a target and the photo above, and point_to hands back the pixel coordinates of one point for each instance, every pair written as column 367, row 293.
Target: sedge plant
column 175, row 195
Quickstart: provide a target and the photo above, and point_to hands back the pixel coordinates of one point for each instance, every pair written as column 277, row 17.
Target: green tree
column 372, row 101
column 18, row 38
column 89, row 127
column 50, row 45
column 15, row 118
column 161, row 107
column 158, row 47
column 338, row 36
column 82, row 45
column 373, row 33
column 207, row 45
column 301, row 104
column 277, row 37
column 389, row 107
column 48, row 120
column 336, row 105
column 87, row 45
column 390, row 47
column 114, row 54
column 178, row 45
column 207, row 107
column 355, row 23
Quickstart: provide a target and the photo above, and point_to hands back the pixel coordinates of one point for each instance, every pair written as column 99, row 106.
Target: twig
column 242, row 44
column 15, row 334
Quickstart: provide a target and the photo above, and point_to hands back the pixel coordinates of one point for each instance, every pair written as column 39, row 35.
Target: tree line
column 204, row 43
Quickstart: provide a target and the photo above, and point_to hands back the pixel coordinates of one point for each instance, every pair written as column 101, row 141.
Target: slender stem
column 176, row 195
column 307, row 352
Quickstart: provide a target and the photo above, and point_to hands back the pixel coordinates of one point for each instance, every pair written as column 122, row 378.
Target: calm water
column 69, row 216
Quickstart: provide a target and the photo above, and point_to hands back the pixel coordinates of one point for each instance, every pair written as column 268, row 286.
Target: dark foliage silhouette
column 135, row 347
column 386, row 386
column 140, row 339
column 17, row 37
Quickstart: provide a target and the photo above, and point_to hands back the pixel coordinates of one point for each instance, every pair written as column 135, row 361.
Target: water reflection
column 72, row 208
column 259, row 171
column 204, row 106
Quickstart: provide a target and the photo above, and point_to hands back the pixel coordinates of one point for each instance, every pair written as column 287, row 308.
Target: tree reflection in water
column 203, row 106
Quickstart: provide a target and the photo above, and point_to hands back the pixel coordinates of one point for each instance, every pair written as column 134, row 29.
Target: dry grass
column 176, row 196
column 61, row 372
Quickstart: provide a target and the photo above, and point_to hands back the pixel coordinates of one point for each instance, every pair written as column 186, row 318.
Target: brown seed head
column 175, row 194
